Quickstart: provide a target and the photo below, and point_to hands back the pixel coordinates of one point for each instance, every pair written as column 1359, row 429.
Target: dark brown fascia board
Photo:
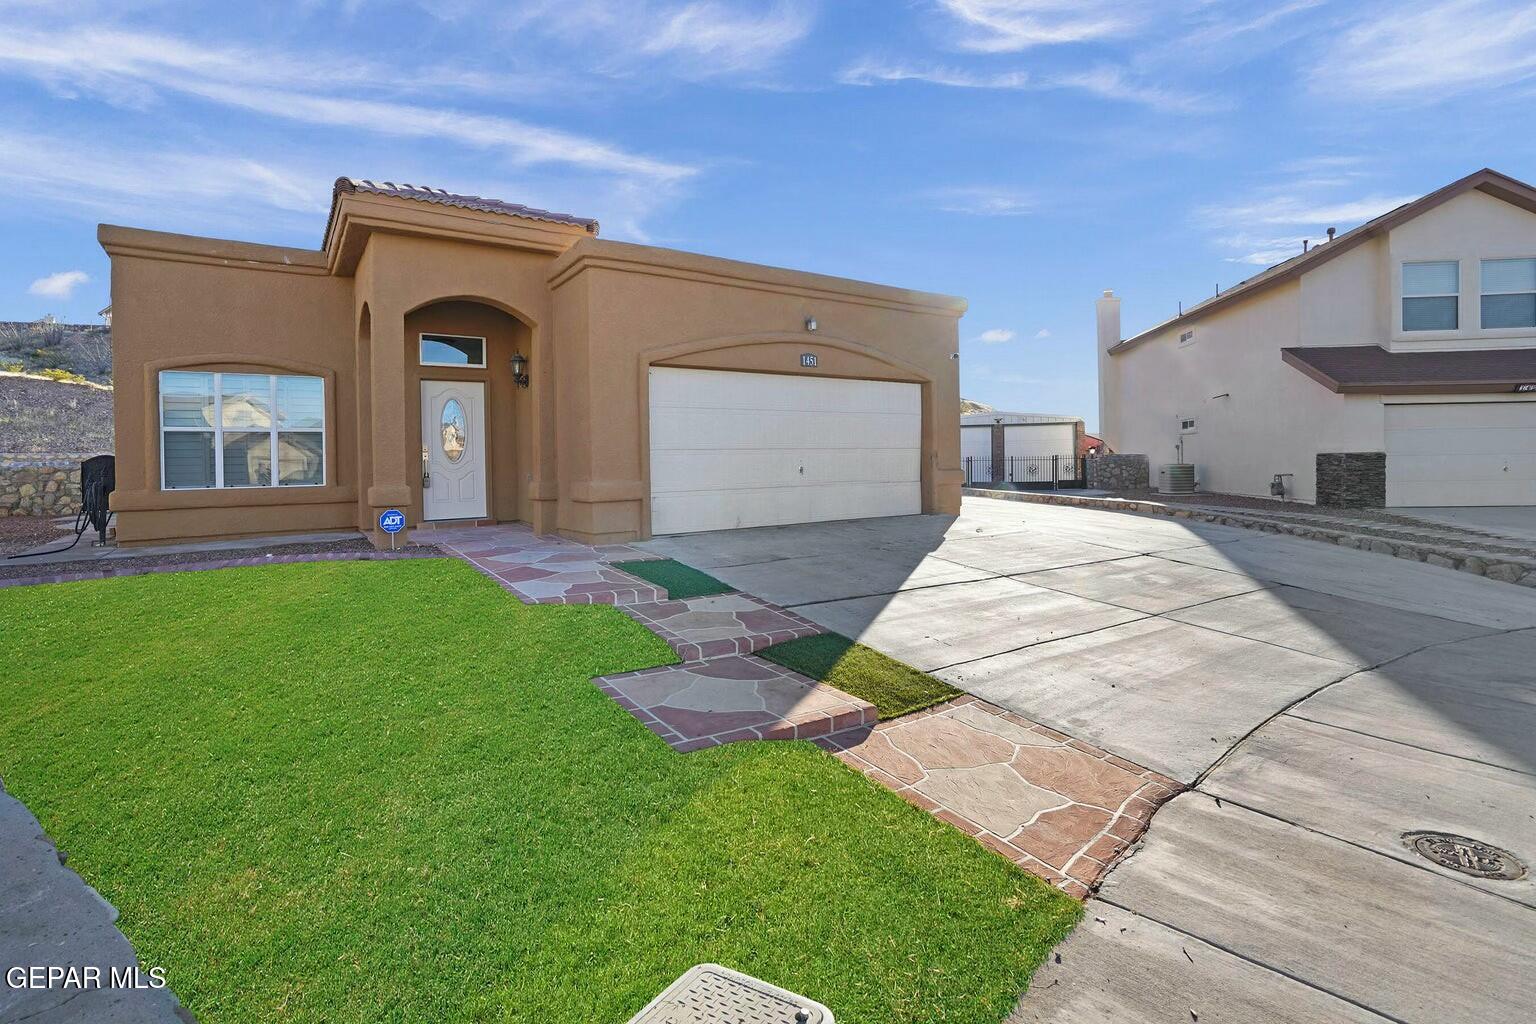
column 1500, row 186
column 1459, row 387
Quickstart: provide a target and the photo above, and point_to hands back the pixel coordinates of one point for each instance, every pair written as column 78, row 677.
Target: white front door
column 731, row 449
column 455, row 477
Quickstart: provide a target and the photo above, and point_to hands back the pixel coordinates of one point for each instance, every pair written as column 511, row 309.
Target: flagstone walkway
column 1058, row 807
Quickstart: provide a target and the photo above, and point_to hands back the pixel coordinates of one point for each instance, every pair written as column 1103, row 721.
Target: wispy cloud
column 719, row 38
column 109, row 181
column 996, row 336
column 1008, row 26
column 134, row 68
column 1422, row 52
column 1042, row 334
column 983, row 200
column 1105, row 81
column 59, row 286
column 1272, row 224
column 871, row 71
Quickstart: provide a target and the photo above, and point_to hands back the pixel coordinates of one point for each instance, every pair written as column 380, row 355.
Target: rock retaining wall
column 48, row 486
column 1118, row 473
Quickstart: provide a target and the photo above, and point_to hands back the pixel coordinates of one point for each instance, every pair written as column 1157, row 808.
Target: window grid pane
column 186, row 400
column 219, row 430
column 1442, row 277
column 447, row 350
column 1502, row 277
column 1436, row 313
column 1509, row 311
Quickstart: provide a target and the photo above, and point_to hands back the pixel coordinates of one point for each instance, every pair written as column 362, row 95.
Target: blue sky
column 1023, row 153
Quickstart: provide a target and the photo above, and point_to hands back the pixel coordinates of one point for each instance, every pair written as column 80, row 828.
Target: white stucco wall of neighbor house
column 1253, row 415
column 1470, row 228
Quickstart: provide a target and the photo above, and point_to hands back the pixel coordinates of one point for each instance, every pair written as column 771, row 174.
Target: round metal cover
column 1469, row 856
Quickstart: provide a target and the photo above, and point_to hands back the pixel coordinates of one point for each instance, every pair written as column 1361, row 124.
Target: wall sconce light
column 810, row 324
column 519, row 369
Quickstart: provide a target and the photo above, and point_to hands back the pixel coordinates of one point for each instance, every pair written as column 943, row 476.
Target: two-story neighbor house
column 1393, row 365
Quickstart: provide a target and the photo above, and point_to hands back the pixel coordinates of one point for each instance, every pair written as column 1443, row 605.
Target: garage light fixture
column 810, row 324
column 519, row 369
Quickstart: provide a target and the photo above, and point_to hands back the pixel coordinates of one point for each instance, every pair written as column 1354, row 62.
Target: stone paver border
column 656, row 616
column 1061, row 809
column 1500, row 566
column 219, row 563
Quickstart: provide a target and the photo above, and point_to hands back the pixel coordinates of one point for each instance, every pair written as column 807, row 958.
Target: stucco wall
column 1255, row 415
column 1470, row 228
column 271, row 313
column 622, row 308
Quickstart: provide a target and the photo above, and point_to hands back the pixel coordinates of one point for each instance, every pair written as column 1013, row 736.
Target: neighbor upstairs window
column 1431, row 292
column 1509, row 293
column 241, row 430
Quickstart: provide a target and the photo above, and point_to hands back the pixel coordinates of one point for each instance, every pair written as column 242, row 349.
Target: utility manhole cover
column 1469, row 856
column 711, row 994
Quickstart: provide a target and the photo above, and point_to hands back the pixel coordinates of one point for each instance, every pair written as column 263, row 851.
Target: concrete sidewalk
column 49, row 917
column 1323, row 704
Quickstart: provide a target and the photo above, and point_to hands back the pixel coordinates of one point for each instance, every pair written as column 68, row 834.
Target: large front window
column 241, row 430
column 1431, row 295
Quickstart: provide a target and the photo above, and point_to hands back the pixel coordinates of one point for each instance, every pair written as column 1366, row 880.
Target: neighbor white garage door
column 1461, row 454
column 731, row 449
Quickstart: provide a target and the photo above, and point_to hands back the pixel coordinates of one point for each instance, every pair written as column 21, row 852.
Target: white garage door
column 1461, row 454
column 731, row 450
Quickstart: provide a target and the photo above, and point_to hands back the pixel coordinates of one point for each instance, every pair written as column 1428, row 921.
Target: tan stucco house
column 461, row 358
column 1394, row 364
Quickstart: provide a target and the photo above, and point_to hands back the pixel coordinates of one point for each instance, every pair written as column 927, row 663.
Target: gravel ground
column 22, row 569
column 18, row 533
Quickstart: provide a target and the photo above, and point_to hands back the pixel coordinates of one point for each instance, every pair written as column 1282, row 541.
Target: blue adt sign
column 392, row 520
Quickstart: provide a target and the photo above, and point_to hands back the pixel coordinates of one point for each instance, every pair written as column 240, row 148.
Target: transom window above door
column 1431, row 295
column 452, row 350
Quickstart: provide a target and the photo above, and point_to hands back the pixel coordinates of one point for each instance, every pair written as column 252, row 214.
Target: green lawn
column 387, row 792
column 682, row 581
column 892, row 687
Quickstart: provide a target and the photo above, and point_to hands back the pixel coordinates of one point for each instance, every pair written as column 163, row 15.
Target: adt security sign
column 392, row 521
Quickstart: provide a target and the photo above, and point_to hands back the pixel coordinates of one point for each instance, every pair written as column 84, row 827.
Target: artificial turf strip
column 386, row 791
column 893, row 688
column 682, row 581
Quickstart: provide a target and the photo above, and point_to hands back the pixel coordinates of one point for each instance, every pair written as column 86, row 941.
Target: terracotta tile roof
column 1500, row 186
column 427, row 194
column 1371, row 369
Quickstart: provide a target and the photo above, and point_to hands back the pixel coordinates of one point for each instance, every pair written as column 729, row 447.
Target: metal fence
column 1048, row 472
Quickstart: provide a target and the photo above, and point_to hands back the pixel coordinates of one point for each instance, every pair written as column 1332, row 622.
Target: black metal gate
column 1026, row 472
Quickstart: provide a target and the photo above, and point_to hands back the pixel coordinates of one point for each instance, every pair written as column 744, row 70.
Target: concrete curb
column 1493, row 566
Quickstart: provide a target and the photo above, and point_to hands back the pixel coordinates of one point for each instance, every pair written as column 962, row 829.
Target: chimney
column 1331, row 232
column 1108, row 308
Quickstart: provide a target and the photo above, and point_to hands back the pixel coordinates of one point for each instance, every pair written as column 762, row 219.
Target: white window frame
column 1187, row 338
column 217, row 429
column 1194, row 425
column 1403, row 297
column 1482, row 291
column 485, row 352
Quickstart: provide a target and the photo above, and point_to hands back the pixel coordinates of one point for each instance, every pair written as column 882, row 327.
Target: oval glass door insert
column 455, row 430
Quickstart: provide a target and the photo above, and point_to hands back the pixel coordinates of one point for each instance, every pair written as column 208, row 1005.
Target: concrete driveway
column 1321, row 702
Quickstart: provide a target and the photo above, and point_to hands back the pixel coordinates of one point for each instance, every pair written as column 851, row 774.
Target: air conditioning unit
column 1178, row 478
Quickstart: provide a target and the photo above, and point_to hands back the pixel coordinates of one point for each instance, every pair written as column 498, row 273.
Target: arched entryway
column 471, row 417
